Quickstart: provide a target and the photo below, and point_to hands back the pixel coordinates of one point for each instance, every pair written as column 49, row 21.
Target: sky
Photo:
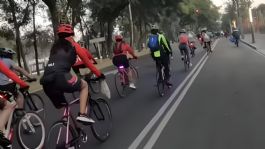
column 222, row 3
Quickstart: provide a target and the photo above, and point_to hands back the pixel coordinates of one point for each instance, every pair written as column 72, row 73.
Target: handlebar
column 28, row 79
column 87, row 77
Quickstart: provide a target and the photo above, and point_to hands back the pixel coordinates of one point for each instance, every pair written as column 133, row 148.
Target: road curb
column 248, row 44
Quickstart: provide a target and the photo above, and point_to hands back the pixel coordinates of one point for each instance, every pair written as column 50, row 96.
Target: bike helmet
column 65, row 29
column 154, row 27
column 7, row 51
column 118, row 37
column 182, row 31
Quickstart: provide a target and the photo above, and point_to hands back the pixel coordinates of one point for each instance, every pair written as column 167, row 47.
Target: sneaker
column 4, row 141
column 83, row 118
column 132, row 85
column 182, row 57
column 190, row 64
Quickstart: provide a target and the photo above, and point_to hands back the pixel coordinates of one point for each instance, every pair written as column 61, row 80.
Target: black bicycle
column 161, row 82
column 236, row 42
column 186, row 62
column 66, row 133
column 33, row 102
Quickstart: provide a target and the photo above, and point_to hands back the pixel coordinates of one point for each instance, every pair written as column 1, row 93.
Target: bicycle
column 186, row 62
column 33, row 102
column 122, row 81
column 30, row 127
column 236, row 42
column 161, row 82
column 66, row 133
column 208, row 48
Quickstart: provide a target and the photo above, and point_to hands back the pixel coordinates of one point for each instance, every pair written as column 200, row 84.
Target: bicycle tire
column 135, row 73
column 27, row 121
column 120, row 85
column 62, row 125
column 160, row 85
column 186, row 64
column 36, row 104
column 94, row 85
column 101, row 113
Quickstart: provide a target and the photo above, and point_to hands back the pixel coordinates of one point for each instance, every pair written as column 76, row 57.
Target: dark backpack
column 153, row 43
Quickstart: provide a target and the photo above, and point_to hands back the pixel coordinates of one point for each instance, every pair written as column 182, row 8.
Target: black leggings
column 164, row 61
column 184, row 50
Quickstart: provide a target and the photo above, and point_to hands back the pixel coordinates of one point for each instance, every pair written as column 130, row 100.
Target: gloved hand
column 103, row 77
column 24, row 89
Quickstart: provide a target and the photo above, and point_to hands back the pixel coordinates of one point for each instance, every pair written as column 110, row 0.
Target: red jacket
column 10, row 74
column 83, row 56
column 80, row 64
column 125, row 48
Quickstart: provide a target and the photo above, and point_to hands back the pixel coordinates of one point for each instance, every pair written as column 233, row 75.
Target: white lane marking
column 172, row 110
column 162, row 110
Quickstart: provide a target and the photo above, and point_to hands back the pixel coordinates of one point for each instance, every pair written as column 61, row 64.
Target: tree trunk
column 109, row 39
column 35, row 40
column 18, row 41
column 54, row 15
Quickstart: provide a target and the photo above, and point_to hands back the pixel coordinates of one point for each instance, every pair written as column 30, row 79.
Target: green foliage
column 20, row 9
column 7, row 33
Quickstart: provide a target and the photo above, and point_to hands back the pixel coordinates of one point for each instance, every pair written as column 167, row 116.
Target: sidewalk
column 258, row 45
column 102, row 63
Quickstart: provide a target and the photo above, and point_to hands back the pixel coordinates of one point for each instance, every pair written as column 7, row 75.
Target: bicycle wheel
column 186, row 63
column 36, row 104
column 93, row 85
column 135, row 74
column 31, row 131
column 101, row 113
column 57, row 136
column 120, row 83
column 237, row 43
column 160, row 85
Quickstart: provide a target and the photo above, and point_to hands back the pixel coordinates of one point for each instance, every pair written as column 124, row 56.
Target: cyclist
column 160, row 51
column 120, row 51
column 6, row 56
column 6, row 107
column 206, row 38
column 57, row 78
column 184, row 45
column 236, row 35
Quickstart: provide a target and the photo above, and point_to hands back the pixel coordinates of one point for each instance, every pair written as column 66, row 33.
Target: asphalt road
column 218, row 104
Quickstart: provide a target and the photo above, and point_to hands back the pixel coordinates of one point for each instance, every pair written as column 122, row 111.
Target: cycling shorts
column 183, row 46
column 61, row 83
column 120, row 60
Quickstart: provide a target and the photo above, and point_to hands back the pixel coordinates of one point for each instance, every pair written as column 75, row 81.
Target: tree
column 17, row 14
column 34, row 4
column 68, row 9
column 105, row 12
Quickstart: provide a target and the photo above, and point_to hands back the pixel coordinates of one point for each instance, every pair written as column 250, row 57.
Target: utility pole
column 251, row 23
column 131, row 24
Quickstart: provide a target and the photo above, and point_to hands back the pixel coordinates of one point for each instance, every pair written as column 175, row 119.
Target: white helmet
column 7, row 51
column 154, row 27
